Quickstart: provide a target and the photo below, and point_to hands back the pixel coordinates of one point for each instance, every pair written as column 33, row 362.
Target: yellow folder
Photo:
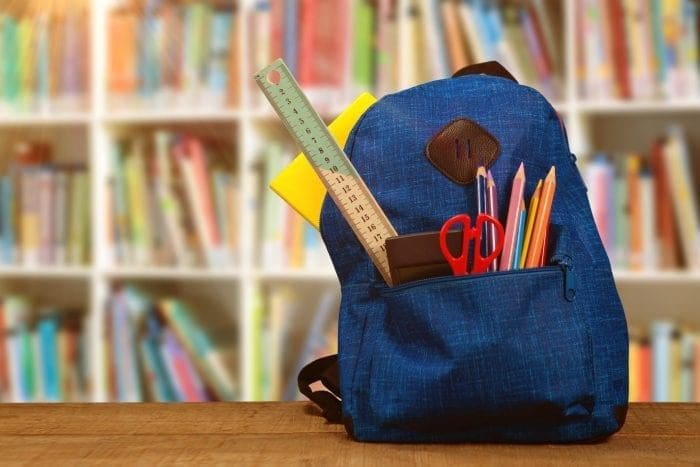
column 298, row 183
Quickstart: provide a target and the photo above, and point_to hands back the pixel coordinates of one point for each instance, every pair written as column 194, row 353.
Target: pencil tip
column 552, row 173
column 481, row 171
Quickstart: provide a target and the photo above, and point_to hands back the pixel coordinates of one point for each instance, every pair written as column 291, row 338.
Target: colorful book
column 661, row 335
column 204, row 354
column 187, row 383
column 677, row 165
column 123, row 340
column 155, row 371
column 47, row 330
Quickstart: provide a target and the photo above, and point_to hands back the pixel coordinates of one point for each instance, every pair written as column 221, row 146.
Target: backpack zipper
column 565, row 263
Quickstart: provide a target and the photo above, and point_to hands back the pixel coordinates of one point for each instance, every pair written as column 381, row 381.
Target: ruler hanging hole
column 274, row 77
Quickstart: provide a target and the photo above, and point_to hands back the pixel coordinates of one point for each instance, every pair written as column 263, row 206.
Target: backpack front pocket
column 505, row 348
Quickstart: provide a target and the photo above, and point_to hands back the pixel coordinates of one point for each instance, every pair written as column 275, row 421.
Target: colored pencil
column 519, row 236
column 516, row 196
column 481, row 207
column 534, row 201
column 545, row 246
column 544, row 209
column 492, row 210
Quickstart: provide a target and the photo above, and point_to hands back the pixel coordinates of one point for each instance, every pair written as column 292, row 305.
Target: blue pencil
column 481, row 208
column 519, row 236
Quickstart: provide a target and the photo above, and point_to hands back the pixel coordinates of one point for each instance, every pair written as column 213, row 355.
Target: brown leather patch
column 460, row 148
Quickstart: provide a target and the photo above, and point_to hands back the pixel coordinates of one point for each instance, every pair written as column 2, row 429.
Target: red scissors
column 469, row 233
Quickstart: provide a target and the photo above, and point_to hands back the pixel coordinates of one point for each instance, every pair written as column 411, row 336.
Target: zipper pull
column 564, row 262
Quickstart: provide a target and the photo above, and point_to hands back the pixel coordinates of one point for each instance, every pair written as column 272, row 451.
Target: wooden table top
column 294, row 433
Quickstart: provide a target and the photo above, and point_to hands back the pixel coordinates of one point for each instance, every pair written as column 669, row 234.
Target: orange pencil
column 544, row 209
column 534, row 202
column 512, row 221
column 545, row 247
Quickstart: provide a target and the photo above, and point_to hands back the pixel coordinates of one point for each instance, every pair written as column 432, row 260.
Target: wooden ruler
column 344, row 184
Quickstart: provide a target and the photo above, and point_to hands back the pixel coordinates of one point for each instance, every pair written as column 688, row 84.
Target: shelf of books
column 142, row 256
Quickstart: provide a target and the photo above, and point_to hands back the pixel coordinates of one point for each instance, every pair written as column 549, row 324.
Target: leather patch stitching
column 459, row 148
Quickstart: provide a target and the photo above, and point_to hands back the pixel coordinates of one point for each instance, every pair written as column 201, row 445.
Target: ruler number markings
column 343, row 182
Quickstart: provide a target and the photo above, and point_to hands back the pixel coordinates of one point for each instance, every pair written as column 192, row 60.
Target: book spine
column 13, row 347
column 171, row 60
column 148, row 56
column 309, row 21
column 622, row 230
column 619, row 48
column 234, row 62
column 453, row 38
column 277, row 28
column 190, row 384
column 532, row 41
column 661, row 333
column 203, row 186
column 649, row 240
column 11, row 61
column 384, row 38
column 675, row 363
column 79, row 218
column 42, row 62
column 687, row 379
column 685, row 205
column 204, row 355
column 7, row 221
column 645, row 376
column 120, row 203
column 29, row 217
column 128, row 383
column 667, row 234
column 271, row 231
column 26, row 61
column 363, row 50
column 635, row 213
column 156, row 373
column 27, row 363
column 232, row 208
column 219, row 54
column 168, row 204
column 291, row 35
column 60, row 216
column 634, row 374
column 46, row 215
column 439, row 63
column 140, row 231
column 48, row 344
column 220, row 185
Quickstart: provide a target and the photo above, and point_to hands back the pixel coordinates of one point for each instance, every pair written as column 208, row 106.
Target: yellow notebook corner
column 298, row 183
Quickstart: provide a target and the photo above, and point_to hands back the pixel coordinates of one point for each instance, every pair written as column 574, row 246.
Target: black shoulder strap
column 324, row 370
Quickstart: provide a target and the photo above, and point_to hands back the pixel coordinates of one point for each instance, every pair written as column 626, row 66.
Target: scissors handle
column 457, row 263
column 482, row 263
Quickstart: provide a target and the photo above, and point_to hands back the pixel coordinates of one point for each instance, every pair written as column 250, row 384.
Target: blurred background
column 142, row 256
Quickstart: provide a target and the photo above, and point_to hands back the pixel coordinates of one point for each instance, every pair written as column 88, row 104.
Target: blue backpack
column 530, row 355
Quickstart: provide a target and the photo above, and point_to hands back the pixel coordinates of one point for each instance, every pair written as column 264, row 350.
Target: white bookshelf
column 249, row 127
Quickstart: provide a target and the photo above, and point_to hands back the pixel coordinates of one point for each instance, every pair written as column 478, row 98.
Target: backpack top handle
column 492, row 68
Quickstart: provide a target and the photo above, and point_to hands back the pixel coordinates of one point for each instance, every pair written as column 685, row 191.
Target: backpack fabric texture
column 528, row 356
